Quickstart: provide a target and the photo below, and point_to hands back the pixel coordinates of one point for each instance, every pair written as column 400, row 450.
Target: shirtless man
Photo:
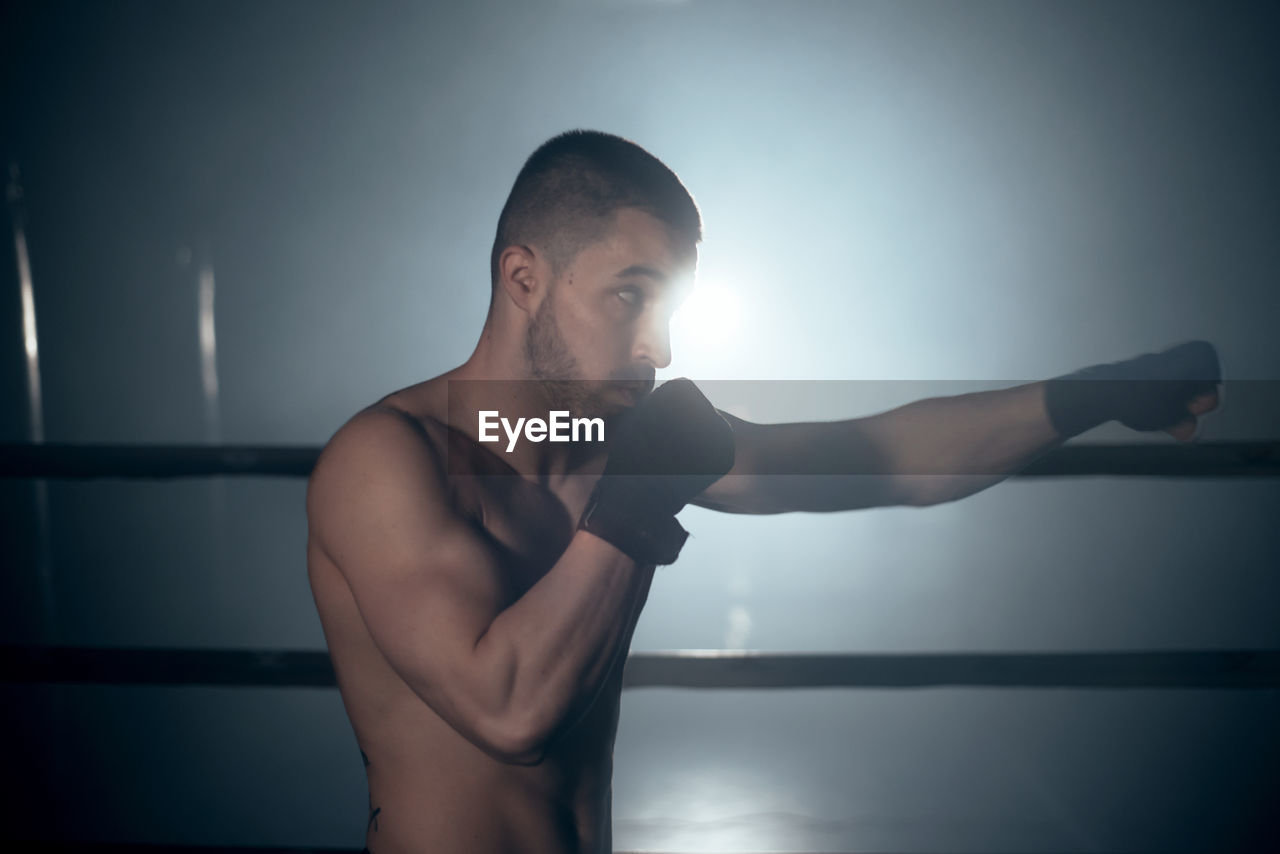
column 478, row 604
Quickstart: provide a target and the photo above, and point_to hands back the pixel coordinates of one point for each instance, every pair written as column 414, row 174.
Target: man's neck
column 506, row 388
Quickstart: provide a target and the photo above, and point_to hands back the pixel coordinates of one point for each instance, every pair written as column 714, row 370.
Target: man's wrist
column 655, row 540
column 1082, row 400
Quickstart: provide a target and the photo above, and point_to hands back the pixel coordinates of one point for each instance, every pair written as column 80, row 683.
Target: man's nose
column 653, row 344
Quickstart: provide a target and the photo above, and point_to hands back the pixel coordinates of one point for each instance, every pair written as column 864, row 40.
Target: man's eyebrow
column 643, row 270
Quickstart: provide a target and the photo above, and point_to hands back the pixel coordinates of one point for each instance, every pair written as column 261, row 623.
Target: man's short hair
column 565, row 195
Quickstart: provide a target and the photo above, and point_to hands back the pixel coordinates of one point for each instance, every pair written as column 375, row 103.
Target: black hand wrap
column 663, row 452
column 1148, row 392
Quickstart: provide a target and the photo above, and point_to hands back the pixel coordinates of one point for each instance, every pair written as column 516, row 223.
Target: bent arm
column 556, row 645
column 922, row 453
column 507, row 676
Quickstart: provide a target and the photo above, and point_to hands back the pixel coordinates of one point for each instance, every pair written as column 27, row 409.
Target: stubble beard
column 557, row 371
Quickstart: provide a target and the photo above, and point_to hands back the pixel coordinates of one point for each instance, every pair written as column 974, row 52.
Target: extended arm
column 925, row 452
column 944, row 448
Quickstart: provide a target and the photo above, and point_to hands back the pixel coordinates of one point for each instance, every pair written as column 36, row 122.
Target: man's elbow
column 521, row 747
column 924, row 491
column 932, row 490
column 529, row 742
column 500, row 737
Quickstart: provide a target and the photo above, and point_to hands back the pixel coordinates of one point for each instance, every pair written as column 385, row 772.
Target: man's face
column 603, row 327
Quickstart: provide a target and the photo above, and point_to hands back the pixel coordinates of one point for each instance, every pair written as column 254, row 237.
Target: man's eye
column 631, row 296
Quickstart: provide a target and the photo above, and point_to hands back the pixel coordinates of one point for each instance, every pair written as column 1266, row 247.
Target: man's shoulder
column 417, row 412
column 412, row 422
column 391, row 426
column 382, row 430
column 425, row 403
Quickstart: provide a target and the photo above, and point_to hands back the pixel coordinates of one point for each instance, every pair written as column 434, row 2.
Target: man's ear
column 521, row 273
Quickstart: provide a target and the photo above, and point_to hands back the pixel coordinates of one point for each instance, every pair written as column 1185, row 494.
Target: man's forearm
column 946, row 448
column 955, row 446
column 556, row 644
column 925, row 452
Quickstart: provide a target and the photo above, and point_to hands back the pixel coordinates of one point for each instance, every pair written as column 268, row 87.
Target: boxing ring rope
column 714, row 669
column 711, row 669
column 705, row 669
column 23, row 460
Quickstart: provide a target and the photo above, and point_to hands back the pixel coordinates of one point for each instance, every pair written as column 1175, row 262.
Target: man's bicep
column 426, row 584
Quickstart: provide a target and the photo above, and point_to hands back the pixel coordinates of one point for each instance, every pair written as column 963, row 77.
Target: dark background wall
column 965, row 192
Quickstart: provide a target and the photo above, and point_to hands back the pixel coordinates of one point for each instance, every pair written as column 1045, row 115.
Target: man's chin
column 627, row 393
column 600, row 398
column 609, row 404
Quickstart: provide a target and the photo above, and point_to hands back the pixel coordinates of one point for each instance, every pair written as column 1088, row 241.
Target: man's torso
column 430, row 788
